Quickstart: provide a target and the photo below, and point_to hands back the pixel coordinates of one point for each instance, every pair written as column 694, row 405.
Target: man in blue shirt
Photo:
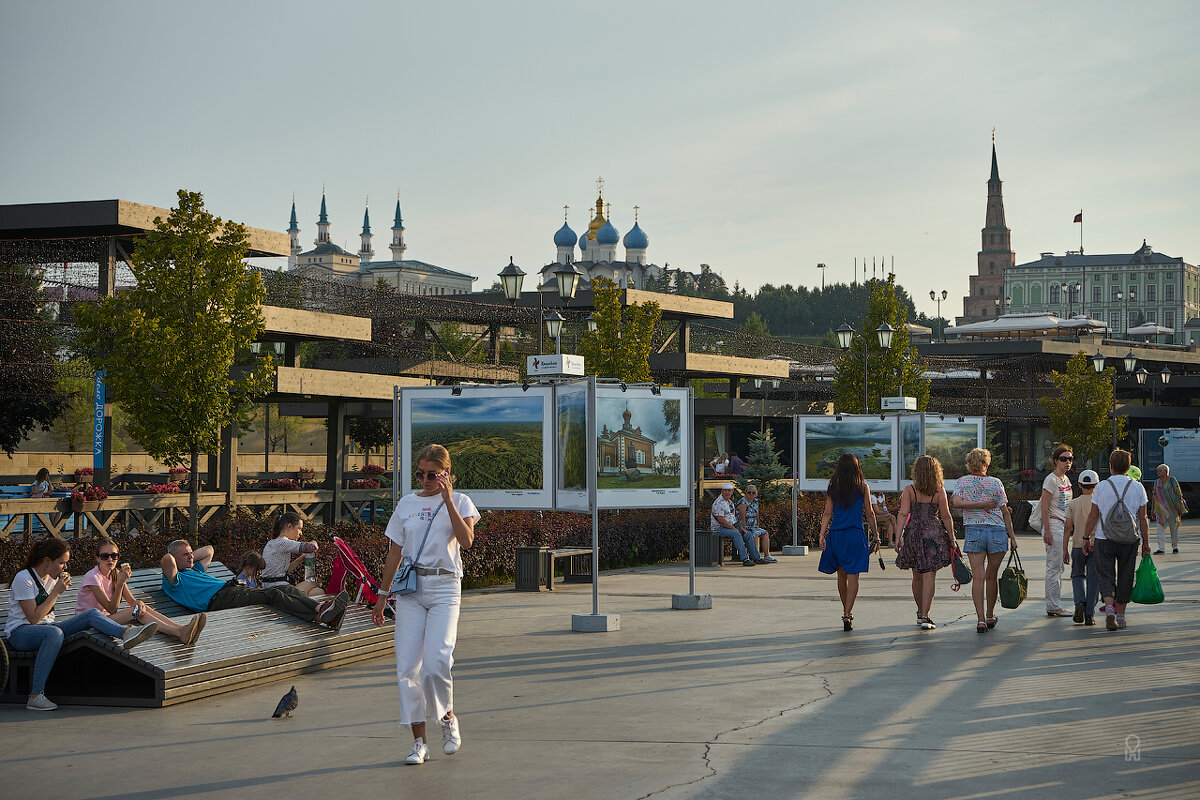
column 187, row 582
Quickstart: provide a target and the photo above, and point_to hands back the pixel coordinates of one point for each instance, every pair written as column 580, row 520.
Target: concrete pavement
column 762, row 696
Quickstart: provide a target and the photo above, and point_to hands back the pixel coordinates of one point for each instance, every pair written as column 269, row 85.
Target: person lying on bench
column 31, row 625
column 187, row 582
column 106, row 585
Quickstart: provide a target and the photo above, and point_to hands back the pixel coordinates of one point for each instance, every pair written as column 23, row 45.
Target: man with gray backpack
column 1118, row 514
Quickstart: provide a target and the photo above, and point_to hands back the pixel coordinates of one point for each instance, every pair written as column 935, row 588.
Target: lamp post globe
column 1130, row 361
column 554, row 323
column 568, row 281
column 1141, row 376
column 511, row 278
column 1165, row 375
column 885, row 333
column 845, row 334
column 1098, row 361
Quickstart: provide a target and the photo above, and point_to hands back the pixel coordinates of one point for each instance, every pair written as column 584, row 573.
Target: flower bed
column 365, row 483
column 170, row 487
column 91, row 494
column 372, row 469
column 277, row 483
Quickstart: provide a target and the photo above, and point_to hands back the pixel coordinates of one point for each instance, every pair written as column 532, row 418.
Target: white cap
column 727, row 486
column 1088, row 478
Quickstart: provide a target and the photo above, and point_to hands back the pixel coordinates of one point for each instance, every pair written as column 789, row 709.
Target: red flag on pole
column 1079, row 217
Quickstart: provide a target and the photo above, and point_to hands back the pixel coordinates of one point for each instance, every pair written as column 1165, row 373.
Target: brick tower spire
column 994, row 257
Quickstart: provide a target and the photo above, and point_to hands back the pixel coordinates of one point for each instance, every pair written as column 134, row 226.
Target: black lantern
column 885, row 333
column 554, row 323
column 1098, row 361
column 845, row 334
column 1130, row 361
column 511, row 278
column 568, row 280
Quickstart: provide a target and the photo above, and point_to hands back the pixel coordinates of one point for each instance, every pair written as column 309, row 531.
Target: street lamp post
column 1130, row 361
column 554, row 323
column 941, row 326
column 1001, row 303
column 1070, row 289
column 822, row 268
column 845, row 335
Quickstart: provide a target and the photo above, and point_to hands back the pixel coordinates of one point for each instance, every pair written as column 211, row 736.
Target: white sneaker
column 419, row 753
column 137, row 635
column 40, row 703
column 451, row 738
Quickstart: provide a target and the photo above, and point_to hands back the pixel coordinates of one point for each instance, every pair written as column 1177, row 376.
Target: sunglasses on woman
column 1066, row 458
column 109, row 556
column 421, row 476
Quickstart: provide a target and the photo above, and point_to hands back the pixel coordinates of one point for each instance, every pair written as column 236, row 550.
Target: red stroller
column 351, row 574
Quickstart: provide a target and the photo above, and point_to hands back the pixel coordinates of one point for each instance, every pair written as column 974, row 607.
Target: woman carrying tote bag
column 431, row 527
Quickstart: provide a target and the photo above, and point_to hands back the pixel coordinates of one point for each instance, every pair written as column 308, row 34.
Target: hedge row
column 627, row 538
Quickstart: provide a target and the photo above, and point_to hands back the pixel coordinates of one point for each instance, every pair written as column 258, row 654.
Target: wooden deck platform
column 239, row 648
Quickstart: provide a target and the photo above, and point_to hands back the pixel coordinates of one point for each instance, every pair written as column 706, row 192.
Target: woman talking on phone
column 431, row 527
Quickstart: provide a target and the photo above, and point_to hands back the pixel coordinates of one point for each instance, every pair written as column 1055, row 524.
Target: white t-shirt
column 1108, row 491
column 407, row 527
column 278, row 554
column 1060, row 496
column 23, row 588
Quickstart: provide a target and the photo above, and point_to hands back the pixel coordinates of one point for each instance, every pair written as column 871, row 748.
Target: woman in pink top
column 103, row 588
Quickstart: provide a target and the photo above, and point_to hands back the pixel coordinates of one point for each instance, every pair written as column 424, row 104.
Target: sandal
column 981, row 627
column 991, row 622
column 846, row 624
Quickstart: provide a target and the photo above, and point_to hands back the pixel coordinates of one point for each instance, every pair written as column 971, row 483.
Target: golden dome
column 598, row 222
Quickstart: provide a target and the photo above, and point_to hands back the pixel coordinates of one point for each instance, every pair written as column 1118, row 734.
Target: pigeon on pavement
column 287, row 705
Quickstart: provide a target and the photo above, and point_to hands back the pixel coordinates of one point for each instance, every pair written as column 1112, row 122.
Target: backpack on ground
column 1119, row 525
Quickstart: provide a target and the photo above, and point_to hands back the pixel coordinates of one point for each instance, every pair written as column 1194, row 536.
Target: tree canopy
column 620, row 346
column 1081, row 416
column 168, row 345
column 30, row 393
column 888, row 370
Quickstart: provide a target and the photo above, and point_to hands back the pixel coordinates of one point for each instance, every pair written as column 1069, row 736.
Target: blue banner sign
column 98, row 423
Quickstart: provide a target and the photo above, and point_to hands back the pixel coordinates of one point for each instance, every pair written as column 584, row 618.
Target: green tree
column 888, row 369
column 763, row 468
column 755, row 325
column 369, row 433
column 283, row 430
column 30, row 394
column 620, row 346
column 1082, row 414
column 168, row 345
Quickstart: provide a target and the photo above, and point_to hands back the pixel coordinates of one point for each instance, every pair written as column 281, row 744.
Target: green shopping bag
column 1147, row 589
column 1013, row 583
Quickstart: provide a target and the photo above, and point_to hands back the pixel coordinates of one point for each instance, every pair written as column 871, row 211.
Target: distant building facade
column 994, row 258
column 404, row 275
column 1124, row 290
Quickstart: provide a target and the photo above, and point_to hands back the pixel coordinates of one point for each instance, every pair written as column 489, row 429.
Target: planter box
column 79, row 506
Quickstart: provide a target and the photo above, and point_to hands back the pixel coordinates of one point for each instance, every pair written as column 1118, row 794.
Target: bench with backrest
column 240, row 647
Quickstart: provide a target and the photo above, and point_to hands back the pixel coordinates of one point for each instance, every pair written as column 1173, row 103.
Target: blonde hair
column 977, row 459
column 927, row 475
column 438, row 456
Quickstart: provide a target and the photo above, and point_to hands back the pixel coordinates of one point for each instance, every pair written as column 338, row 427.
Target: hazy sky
column 757, row 137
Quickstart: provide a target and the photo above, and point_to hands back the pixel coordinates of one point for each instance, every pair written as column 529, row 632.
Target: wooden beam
column 302, row 382
column 679, row 304
column 725, row 366
column 314, row 324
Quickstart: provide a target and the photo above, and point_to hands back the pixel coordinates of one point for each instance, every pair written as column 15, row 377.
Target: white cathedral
column 327, row 259
column 598, row 253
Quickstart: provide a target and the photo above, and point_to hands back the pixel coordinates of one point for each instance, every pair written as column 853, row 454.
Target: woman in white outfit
column 427, row 619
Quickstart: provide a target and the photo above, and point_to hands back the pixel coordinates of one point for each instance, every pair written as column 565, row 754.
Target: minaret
column 365, row 252
column 322, row 223
column 995, row 255
column 294, row 234
column 398, row 246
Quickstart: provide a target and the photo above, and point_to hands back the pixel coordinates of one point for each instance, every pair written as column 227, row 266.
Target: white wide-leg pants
column 426, row 630
column 1054, row 567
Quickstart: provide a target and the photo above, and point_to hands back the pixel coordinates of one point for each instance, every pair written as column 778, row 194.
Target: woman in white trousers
column 431, row 527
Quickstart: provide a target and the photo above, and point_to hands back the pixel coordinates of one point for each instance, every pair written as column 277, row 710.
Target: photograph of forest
column 949, row 441
column 638, row 442
column 495, row 442
column 868, row 439
column 910, row 444
column 572, row 439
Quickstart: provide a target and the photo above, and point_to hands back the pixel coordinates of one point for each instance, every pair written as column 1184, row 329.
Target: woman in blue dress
column 844, row 547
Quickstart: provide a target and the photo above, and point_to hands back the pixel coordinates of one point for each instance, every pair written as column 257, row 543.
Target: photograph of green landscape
column 572, row 430
column 910, row 445
column 869, row 438
column 949, row 441
column 496, row 438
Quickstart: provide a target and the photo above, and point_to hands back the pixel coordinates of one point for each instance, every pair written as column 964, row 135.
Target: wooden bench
column 535, row 567
column 240, row 647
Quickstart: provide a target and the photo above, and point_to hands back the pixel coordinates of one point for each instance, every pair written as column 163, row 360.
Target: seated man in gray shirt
column 724, row 519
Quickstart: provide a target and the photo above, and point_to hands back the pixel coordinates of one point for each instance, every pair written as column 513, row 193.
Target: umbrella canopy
column 1150, row 329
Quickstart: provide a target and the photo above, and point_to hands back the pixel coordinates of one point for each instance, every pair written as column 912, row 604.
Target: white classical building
column 405, row 275
column 1124, row 290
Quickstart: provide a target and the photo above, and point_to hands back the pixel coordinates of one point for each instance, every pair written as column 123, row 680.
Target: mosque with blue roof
column 327, row 259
